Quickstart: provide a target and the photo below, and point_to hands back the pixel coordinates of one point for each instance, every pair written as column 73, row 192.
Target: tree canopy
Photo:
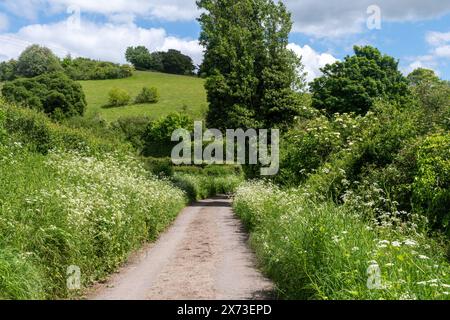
column 253, row 80
column 36, row 60
column 355, row 84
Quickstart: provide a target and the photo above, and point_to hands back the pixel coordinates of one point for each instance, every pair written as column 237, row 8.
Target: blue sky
column 416, row 32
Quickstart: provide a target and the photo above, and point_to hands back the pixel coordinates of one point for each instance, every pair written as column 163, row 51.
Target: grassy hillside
column 175, row 91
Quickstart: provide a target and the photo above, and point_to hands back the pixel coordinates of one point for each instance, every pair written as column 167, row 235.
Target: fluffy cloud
column 312, row 60
column 335, row 18
column 439, row 52
column 98, row 41
column 170, row 10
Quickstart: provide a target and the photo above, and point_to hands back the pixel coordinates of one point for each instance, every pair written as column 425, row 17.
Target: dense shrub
column 202, row 186
column 147, row 95
column 8, row 70
column 161, row 167
column 132, row 129
column 431, row 188
column 36, row 60
column 55, row 94
column 39, row 134
column 318, row 250
column 88, row 69
column 159, row 133
column 172, row 61
column 118, row 98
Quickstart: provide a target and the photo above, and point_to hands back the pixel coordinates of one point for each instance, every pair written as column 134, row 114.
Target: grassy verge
column 178, row 94
column 318, row 250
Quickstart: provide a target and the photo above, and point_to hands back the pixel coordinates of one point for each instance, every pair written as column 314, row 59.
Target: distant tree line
column 36, row 60
column 172, row 61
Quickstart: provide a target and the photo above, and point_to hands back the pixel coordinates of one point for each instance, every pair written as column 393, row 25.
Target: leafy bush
column 431, row 188
column 36, row 60
column 159, row 133
column 55, row 94
column 118, row 97
column 132, row 129
column 147, row 95
column 39, row 134
column 355, row 84
column 172, row 61
column 201, row 186
column 318, row 250
column 88, row 69
column 160, row 167
column 8, row 70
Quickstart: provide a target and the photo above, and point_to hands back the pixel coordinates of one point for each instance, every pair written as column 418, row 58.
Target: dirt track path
column 204, row 255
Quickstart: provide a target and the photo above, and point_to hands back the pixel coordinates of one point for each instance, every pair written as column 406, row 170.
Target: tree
column 53, row 93
column 253, row 80
column 8, row 70
column 433, row 95
column 141, row 58
column 356, row 83
column 37, row 60
column 175, row 62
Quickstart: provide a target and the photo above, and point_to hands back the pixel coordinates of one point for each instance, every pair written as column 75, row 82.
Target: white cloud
column 4, row 22
column 97, row 41
column 334, row 18
column 312, row 60
column 169, row 10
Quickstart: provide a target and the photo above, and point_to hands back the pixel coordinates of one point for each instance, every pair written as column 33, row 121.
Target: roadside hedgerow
column 319, row 250
column 54, row 93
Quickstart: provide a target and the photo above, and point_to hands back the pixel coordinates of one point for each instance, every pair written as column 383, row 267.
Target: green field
column 178, row 93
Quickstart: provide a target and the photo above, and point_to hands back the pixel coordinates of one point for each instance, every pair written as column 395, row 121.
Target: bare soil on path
column 203, row 256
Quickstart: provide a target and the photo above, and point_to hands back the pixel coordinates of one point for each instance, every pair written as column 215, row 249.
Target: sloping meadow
column 319, row 250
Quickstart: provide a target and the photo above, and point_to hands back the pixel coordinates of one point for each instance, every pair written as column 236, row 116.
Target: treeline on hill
column 172, row 61
column 360, row 209
column 36, row 60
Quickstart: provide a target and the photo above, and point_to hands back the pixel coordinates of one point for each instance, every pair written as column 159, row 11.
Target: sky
column 416, row 32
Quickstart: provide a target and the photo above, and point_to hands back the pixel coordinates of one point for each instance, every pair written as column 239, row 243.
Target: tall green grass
column 66, row 208
column 319, row 250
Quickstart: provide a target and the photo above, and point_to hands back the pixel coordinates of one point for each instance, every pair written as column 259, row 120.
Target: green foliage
column 148, row 95
column 141, row 58
column 39, row 134
column 160, row 167
column 8, row 70
column 431, row 188
column 433, row 96
column 53, row 93
column 202, row 186
column 68, row 209
column 36, row 60
column 358, row 82
column 176, row 91
column 88, row 69
column 159, row 133
column 132, row 129
column 318, row 250
column 172, row 61
column 252, row 77
column 118, row 97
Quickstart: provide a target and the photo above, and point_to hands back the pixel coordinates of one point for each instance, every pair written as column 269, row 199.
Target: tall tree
column 354, row 84
column 36, row 60
column 253, row 79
